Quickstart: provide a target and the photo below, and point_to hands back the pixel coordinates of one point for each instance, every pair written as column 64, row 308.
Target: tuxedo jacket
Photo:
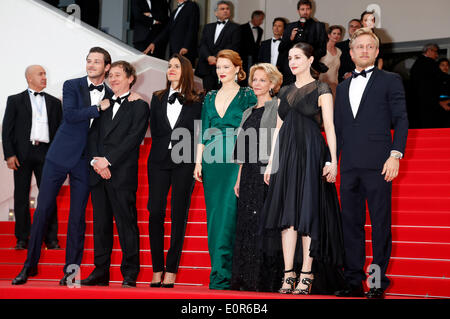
column 161, row 130
column 118, row 139
column 365, row 141
column 248, row 46
column 265, row 52
column 70, row 141
column 141, row 24
column 182, row 31
column 229, row 38
column 17, row 122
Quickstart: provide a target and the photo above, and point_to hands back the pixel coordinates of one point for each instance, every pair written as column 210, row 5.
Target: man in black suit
column 268, row 53
column 29, row 125
column 113, row 145
column 216, row 36
column 367, row 105
column 181, row 32
column 251, row 35
column 347, row 65
column 305, row 30
column 148, row 19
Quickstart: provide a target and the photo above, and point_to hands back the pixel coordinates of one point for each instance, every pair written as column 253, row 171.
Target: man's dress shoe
column 96, row 280
column 351, row 291
column 53, row 245
column 22, row 277
column 21, row 245
column 375, row 293
column 127, row 283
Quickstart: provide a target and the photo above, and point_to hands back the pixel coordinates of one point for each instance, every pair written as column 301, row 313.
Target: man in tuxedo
column 181, row 31
column 367, row 105
column 148, row 19
column 251, row 35
column 67, row 155
column 216, row 36
column 114, row 143
column 268, row 53
column 305, row 30
column 29, row 125
column 347, row 66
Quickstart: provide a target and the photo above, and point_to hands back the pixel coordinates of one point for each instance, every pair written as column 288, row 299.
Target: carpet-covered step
column 193, row 243
column 419, row 218
column 416, row 249
column 414, row 203
column 420, row 286
column 427, row 133
column 54, row 272
column 416, row 266
column 192, row 228
column 439, row 234
column 429, row 142
column 188, row 258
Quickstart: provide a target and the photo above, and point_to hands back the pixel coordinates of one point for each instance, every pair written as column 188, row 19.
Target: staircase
column 420, row 263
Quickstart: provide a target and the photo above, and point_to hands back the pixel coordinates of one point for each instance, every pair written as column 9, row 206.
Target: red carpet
column 420, row 264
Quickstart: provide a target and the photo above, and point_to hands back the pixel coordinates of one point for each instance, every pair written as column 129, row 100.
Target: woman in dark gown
column 302, row 200
column 252, row 269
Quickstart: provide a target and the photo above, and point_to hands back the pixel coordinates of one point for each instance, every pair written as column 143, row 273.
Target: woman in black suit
column 171, row 163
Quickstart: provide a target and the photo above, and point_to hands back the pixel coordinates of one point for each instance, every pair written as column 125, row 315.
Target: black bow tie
column 180, row 4
column 275, row 40
column 175, row 96
column 119, row 100
column 362, row 73
column 38, row 93
column 98, row 87
column 221, row 22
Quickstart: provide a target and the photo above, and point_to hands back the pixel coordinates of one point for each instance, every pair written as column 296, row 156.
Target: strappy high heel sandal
column 290, row 281
column 305, row 281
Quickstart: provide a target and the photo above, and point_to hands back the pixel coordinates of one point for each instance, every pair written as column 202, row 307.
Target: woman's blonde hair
column 275, row 76
column 235, row 58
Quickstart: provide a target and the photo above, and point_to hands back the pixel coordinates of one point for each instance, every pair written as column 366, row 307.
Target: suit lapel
column 84, row 89
column 184, row 110
column 164, row 109
column 27, row 102
column 366, row 90
column 123, row 109
column 222, row 33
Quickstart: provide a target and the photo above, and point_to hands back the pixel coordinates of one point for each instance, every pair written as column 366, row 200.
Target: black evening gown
column 298, row 195
column 252, row 269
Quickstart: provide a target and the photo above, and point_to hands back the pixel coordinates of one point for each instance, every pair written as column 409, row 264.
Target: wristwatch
column 396, row 155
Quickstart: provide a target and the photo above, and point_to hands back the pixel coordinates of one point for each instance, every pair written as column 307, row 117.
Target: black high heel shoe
column 290, row 281
column 157, row 284
column 305, row 281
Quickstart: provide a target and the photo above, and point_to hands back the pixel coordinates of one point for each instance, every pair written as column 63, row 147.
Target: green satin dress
column 219, row 177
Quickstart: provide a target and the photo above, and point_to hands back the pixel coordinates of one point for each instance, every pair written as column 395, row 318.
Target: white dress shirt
column 116, row 105
column 39, row 122
column 180, row 6
column 173, row 111
column 254, row 31
column 219, row 28
column 96, row 96
column 274, row 51
column 356, row 90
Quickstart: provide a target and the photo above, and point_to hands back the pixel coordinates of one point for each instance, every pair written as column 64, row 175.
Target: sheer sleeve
column 324, row 88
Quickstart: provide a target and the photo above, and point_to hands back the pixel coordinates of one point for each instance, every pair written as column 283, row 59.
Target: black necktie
column 221, row 22
column 275, row 40
column 362, row 73
column 98, row 87
column 175, row 96
column 38, row 93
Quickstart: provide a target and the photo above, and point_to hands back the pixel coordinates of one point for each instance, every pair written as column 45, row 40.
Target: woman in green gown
column 221, row 115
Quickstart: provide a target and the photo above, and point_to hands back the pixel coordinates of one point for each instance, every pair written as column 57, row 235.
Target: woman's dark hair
column 308, row 51
column 186, row 84
column 367, row 12
column 335, row 27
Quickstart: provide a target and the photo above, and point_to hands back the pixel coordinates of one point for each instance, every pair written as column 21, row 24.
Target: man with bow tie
column 216, row 36
column 113, row 148
column 29, row 126
column 67, row 155
column 268, row 53
column 367, row 105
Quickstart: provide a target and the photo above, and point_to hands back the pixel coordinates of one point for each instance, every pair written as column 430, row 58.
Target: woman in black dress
column 302, row 200
column 176, row 107
column 253, row 270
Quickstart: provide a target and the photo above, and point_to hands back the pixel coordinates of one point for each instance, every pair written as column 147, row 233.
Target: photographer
column 305, row 30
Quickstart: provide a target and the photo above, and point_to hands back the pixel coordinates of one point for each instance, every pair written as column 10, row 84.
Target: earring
column 271, row 92
column 236, row 77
